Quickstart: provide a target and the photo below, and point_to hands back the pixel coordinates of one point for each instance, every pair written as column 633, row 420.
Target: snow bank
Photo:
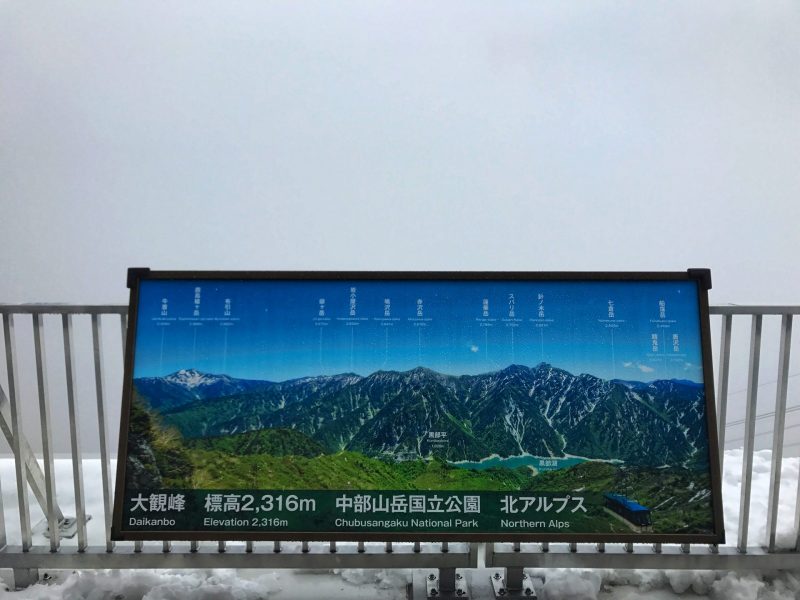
column 731, row 486
column 154, row 585
column 570, row 585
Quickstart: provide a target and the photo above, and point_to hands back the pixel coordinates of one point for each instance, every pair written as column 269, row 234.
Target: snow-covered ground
column 377, row 584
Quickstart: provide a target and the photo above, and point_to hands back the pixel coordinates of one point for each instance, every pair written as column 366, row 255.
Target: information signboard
column 418, row 406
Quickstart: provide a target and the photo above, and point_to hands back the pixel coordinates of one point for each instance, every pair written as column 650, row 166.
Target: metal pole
column 35, row 474
column 97, row 346
column 722, row 386
column 47, row 433
column 74, row 433
column 778, row 430
column 21, row 468
column 749, row 431
column 3, row 537
column 488, row 554
column 447, row 580
column 514, row 576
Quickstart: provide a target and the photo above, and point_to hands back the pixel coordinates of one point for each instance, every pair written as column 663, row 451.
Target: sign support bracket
column 35, row 475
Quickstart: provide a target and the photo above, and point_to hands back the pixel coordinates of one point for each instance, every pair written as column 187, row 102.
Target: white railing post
column 20, row 464
column 749, row 431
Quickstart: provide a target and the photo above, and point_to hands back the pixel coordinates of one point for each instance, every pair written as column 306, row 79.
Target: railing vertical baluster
column 248, row 546
column 97, row 346
column 194, row 546
column 138, row 545
column 722, row 386
column 47, row 433
column 417, row 547
column 749, row 431
column 304, row 547
column 445, row 547
column 360, row 546
column 778, row 429
column 20, row 467
column 389, row 547
column 276, row 546
column 3, row 537
column 166, row 546
column 332, row 546
column 517, row 547
column 74, row 432
column 123, row 323
column 221, row 547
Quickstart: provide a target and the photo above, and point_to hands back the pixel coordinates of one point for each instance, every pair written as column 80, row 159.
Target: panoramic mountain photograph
column 634, row 450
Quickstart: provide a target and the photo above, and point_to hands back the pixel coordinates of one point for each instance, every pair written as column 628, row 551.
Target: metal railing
column 26, row 557
column 514, row 557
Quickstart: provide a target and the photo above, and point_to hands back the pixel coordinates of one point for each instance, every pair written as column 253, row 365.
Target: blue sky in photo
column 275, row 331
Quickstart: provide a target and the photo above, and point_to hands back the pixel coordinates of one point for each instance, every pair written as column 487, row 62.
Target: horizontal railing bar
column 670, row 557
column 152, row 557
column 753, row 309
column 63, row 309
column 208, row 557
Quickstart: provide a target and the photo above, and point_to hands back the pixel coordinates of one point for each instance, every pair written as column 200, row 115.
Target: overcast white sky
column 395, row 135
column 398, row 135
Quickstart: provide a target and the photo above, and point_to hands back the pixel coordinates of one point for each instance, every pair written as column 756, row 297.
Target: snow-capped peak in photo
column 192, row 378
